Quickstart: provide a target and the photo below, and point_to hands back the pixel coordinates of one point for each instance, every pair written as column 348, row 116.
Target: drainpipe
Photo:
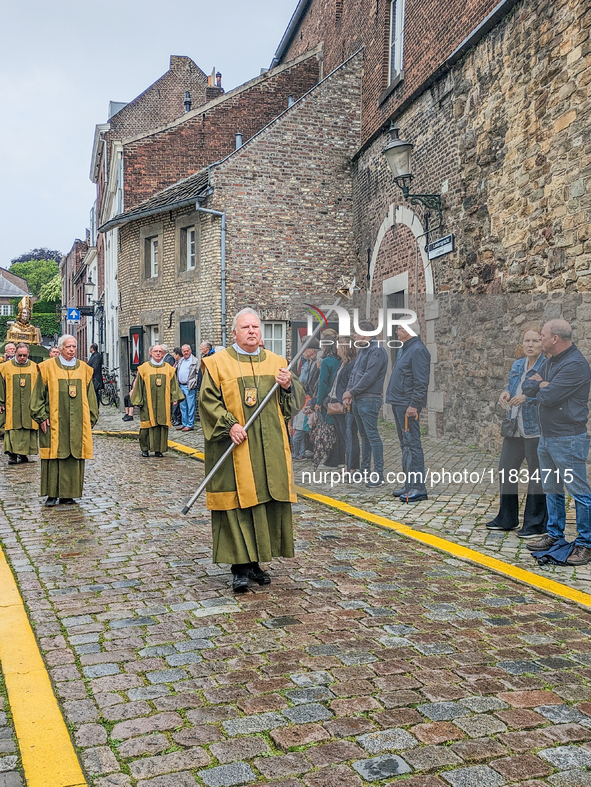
column 222, row 215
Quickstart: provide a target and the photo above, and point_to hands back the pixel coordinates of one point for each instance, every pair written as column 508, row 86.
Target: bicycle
column 109, row 393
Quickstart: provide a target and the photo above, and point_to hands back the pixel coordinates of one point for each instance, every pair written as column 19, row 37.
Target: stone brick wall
column 199, row 138
column 504, row 138
column 433, row 30
column 287, row 196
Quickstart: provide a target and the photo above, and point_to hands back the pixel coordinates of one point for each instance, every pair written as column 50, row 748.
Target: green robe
column 244, row 534
column 154, row 423
column 21, row 438
column 63, row 475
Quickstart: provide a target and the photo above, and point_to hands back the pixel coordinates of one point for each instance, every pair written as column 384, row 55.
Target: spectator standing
column 206, row 349
column 168, row 358
column 407, row 393
column 561, row 387
column 96, row 364
column 187, row 372
column 175, row 413
column 9, row 352
column 326, row 436
column 366, row 384
column 522, row 445
column 345, row 424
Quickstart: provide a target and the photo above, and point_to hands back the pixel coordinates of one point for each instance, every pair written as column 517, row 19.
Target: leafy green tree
column 39, row 254
column 51, row 292
column 35, row 272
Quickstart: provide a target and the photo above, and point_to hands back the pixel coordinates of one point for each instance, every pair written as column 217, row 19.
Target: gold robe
column 17, row 381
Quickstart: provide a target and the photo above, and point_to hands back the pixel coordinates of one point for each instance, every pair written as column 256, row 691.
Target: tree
column 35, row 272
column 39, row 254
column 52, row 290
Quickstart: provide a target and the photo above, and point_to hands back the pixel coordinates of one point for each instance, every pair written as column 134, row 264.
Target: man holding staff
column 250, row 496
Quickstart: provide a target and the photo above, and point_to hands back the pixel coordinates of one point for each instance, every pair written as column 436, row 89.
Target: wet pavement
column 370, row 660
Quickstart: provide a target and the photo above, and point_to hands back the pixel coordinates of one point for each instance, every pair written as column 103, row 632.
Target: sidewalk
column 456, row 512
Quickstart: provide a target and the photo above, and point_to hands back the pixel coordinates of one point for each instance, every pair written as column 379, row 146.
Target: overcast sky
column 60, row 65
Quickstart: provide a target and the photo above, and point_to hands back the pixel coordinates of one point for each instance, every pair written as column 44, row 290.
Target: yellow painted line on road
column 47, row 752
column 457, row 550
column 465, row 553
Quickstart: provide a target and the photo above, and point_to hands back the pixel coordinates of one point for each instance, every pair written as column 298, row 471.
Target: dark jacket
column 329, row 367
column 563, row 405
column 343, row 381
column 96, row 362
column 168, row 358
column 200, row 372
column 367, row 377
column 410, row 376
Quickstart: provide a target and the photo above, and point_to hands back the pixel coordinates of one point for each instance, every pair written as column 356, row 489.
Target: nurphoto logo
column 404, row 318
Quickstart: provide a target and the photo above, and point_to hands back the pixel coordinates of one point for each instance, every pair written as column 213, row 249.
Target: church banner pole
column 345, row 293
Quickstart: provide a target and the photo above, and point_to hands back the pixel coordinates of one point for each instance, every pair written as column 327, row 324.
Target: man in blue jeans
column 366, row 384
column 562, row 389
column 407, row 393
column 187, row 372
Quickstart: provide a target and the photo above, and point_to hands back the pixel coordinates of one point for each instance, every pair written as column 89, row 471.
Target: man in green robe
column 155, row 389
column 64, row 405
column 17, row 379
column 250, row 496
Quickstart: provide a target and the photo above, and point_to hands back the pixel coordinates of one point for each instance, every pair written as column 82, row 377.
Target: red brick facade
column 433, row 30
column 163, row 157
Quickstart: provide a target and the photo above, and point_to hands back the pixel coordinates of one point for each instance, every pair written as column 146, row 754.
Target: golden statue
column 21, row 329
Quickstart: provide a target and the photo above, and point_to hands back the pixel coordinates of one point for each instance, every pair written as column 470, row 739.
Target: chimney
column 218, row 79
column 187, row 101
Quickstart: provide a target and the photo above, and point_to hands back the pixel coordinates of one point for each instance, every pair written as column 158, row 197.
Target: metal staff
column 344, row 293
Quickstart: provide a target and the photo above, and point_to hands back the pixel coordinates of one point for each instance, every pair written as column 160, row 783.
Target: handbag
column 335, row 408
column 510, row 427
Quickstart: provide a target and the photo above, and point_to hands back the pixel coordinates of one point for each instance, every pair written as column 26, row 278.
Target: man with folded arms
column 64, row 405
column 561, row 387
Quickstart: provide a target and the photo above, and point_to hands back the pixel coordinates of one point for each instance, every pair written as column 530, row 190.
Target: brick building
column 73, row 269
column 286, row 198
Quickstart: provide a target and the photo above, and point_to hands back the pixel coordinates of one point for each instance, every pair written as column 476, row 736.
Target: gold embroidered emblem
column 73, row 391
column 22, row 382
column 250, row 396
column 159, row 381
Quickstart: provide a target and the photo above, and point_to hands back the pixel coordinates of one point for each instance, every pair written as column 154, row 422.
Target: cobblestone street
column 370, row 660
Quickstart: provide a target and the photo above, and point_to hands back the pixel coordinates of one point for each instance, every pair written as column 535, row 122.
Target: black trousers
column 513, row 452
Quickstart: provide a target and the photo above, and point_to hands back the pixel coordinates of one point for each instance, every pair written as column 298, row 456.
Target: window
column 152, row 257
column 396, row 39
column 188, row 248
column 5, row 309
column 274, row 337
column 153, row 334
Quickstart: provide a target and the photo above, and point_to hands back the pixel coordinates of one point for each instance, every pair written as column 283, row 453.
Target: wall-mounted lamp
column 397, row 153
column 89, row 286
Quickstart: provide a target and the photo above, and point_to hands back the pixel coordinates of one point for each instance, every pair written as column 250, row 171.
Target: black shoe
column 374, row 484
column 258, row 575
column 413, row 497
column 494, row 525
column 12, row 460
column 127, row 417
column 544, row 543
column 530, row 533
column 159, row 454
column 240, row 583
column 51, row 502
column 145, row 454
column 67, row 501
column 399, row 492
column 23, row 459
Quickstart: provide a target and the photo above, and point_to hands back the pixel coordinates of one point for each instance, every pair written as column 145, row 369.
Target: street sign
column 73, row 315
column 441, row 246
column 86, row 311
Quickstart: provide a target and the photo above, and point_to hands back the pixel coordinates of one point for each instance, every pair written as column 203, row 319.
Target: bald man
column 561, row 387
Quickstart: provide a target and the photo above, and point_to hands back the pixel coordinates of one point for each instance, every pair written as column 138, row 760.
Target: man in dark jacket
column 366, row 384
column 96, row 362
column 562, row 390
column 407, row 393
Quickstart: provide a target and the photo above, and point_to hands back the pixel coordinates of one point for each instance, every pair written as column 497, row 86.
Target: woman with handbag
column 347, row 435
column 325, row 437
column 521, row 434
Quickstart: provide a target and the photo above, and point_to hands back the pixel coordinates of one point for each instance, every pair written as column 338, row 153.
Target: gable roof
column 292, row 27
column 10, row 290
column 178, row 195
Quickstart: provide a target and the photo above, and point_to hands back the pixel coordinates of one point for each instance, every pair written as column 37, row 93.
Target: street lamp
column 398, row 153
